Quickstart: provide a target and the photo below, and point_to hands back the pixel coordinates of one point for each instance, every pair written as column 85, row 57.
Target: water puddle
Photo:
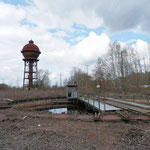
column 58, row 111
column 69, row 110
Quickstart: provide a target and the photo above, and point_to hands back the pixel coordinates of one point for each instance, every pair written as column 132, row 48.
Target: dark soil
column 24, row 130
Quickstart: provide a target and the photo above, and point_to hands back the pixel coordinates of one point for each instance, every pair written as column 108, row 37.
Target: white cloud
column 63, row 58
column 61, row 14
column 115, row 15
column 93, row 46
column 142, row 50
column 77, row 39
column 10, row 15
column 61, row 34
column 141, row 47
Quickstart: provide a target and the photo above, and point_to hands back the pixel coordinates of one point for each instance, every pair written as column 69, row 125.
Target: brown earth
column 24, row 130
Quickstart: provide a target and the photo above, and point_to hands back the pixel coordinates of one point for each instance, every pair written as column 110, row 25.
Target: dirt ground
column 24, row 130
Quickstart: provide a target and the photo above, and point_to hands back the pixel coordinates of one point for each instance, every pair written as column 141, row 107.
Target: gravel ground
column 23, row 130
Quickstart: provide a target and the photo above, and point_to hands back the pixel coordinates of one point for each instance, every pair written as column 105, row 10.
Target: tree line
column 121, row 69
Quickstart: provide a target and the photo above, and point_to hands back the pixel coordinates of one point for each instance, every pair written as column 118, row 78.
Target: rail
column 100, row 103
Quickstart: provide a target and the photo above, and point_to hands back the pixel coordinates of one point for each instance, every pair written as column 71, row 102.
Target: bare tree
column 43, row 79
column 84, row 81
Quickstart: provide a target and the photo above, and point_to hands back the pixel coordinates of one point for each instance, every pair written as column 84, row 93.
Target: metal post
column 24, row 74
column 104, row 105
column 99, row 104
column 60, row 79
column 36, row 68
column 86, row 104
column 88, row 101
column 93, row 103
column 98, row 99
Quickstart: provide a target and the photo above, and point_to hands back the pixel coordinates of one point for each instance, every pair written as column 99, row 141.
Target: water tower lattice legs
column 30, row 72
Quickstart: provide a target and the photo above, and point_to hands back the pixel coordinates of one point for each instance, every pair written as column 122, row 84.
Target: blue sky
column 16, row 2
column 69, row 33
column 79, row 31
column 125, row 36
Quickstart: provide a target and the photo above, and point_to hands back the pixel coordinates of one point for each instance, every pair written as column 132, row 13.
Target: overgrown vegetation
column 4, row 86
column 21, row 94
column 121, row 72
column 43, row 81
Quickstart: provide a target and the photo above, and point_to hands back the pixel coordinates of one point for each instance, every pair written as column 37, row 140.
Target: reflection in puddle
column 58, row 111
column 68, row 110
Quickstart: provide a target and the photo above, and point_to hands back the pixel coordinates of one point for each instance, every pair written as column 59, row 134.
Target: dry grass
column 20, row 94
column 32, row 104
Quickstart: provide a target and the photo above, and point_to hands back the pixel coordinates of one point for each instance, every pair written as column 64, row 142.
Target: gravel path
column 22, row 130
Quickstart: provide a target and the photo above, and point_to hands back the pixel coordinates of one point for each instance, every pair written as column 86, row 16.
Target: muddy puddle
column 70, row 110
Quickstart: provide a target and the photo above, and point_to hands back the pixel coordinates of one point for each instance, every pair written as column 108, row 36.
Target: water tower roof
column 30, row 50
column 31, row 47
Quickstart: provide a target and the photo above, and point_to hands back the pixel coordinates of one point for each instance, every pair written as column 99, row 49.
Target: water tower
column 31, row 53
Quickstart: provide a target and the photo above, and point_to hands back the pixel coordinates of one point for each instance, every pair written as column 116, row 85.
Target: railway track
column 128, row 106
column 104, row 104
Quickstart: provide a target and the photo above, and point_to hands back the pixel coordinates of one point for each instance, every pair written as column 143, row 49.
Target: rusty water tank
column 31, row 50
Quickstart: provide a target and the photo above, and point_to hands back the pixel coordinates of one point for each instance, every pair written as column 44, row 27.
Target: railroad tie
column 124, row 114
